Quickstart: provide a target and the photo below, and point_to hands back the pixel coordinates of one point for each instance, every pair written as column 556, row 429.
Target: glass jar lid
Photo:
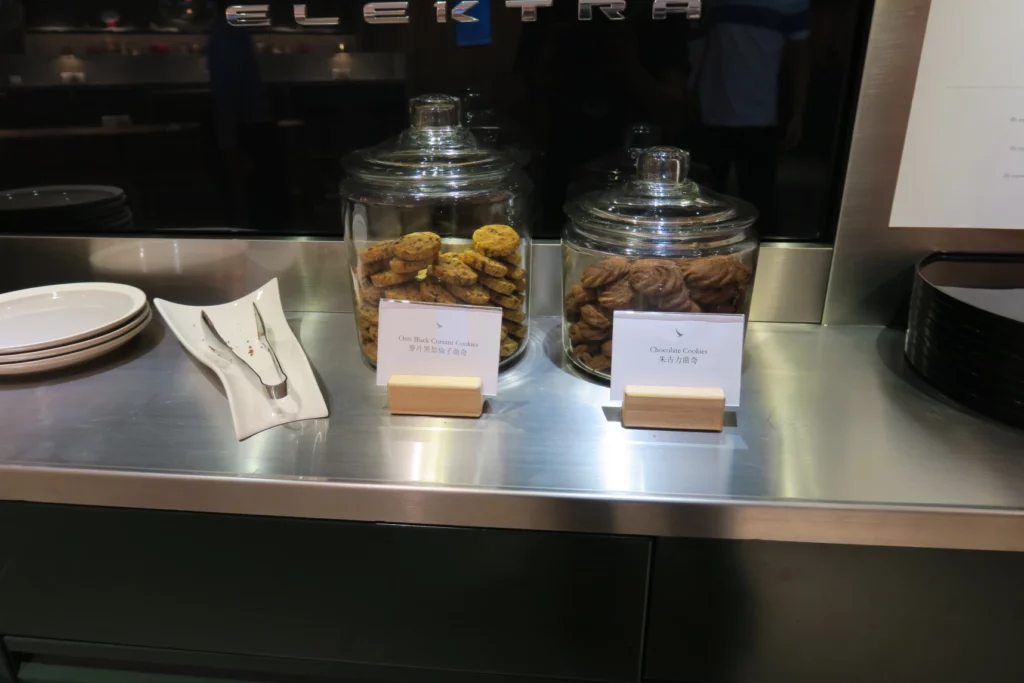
column 659, row 206
column 434, row 154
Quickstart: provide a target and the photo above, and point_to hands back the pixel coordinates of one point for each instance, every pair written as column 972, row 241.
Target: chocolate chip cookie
column 404, row 267
column 496, row 240
column 365, row 270
column 514, row 316
column 508, row 347
column 389, row 278
column 473, row 294
column 450, row 269
column 418, row 246
column 369, row 313
column 370, row 294
column 486, row 265
column 499, row 285
column 435, row 293
column 382, row 251
column 406, row 292
column 515, row 329
column 506, row 301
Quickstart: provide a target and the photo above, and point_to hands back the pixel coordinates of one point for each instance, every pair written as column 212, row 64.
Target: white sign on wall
column 963, row 158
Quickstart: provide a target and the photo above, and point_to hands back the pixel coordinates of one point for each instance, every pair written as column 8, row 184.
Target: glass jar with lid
column 434, row 215
column 658, row 242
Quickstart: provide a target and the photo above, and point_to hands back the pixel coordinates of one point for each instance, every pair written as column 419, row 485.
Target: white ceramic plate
column 142, row 319
column 69, row 359
column 251, row 410
column 58, row 315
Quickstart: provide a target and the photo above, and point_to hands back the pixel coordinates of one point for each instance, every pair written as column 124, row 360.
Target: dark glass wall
column 210, row 127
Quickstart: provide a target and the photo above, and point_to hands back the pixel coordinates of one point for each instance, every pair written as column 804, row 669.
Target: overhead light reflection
column 621, row 469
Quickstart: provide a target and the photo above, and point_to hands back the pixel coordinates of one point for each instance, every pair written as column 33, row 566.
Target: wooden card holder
column 437, row 396
column 697, row 409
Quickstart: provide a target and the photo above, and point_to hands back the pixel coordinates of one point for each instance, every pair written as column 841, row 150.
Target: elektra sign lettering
column 398, row 12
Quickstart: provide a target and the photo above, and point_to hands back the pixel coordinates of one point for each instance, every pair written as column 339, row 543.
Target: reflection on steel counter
column 65, row 209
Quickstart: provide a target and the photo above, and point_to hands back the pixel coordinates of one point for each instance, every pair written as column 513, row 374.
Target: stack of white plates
column 46, row 328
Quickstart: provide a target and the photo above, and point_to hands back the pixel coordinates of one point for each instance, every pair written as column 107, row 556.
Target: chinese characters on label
column 680, row 360
column 436, row 350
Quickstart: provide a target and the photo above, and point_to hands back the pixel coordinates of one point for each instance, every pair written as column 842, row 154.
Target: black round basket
column 966, row 330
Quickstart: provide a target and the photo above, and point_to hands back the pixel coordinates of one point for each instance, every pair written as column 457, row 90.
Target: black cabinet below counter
column 364, row 601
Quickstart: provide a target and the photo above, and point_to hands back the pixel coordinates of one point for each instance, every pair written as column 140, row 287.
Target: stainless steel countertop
column 836, row 442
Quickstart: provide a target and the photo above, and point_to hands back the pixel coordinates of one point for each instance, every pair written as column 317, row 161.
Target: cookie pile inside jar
column 421, row 267
column 713, row 284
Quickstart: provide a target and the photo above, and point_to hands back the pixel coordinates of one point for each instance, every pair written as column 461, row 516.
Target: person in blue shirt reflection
column 753, row 53
column 245, row 127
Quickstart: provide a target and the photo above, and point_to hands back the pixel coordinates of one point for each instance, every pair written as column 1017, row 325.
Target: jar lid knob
column 435, row 111
column 663, row 165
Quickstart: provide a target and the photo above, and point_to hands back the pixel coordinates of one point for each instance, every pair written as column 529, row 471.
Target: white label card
column 441, row 340
column 677, row 350
column 963, row 157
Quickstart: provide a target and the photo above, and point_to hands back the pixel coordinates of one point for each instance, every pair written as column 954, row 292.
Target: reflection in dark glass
column 205, row 126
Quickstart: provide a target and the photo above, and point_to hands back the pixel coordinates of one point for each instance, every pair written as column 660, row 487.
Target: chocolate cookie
column 715, row 271
column 450, row 269
column 599, row 362
column 382, row 251
column 710, row 297
column 473, row 294
column 418, row 246
column 586, row 348
column 605, row 272
column 499, row 285
column 595, row 317
column 655, row 277
column 433, row 292
column 617, row 296
column 483, row 264
column 496, row 240
column 678, row 301
column 508, row 347
column 576, row 297
column 406, row 292
column 582, row 332
column 400, row 266
column 389, row 278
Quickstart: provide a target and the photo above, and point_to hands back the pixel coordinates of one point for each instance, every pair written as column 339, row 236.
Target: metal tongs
column 274, row 390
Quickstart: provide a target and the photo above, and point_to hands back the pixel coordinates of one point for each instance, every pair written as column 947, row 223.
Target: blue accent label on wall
column 478, row 32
